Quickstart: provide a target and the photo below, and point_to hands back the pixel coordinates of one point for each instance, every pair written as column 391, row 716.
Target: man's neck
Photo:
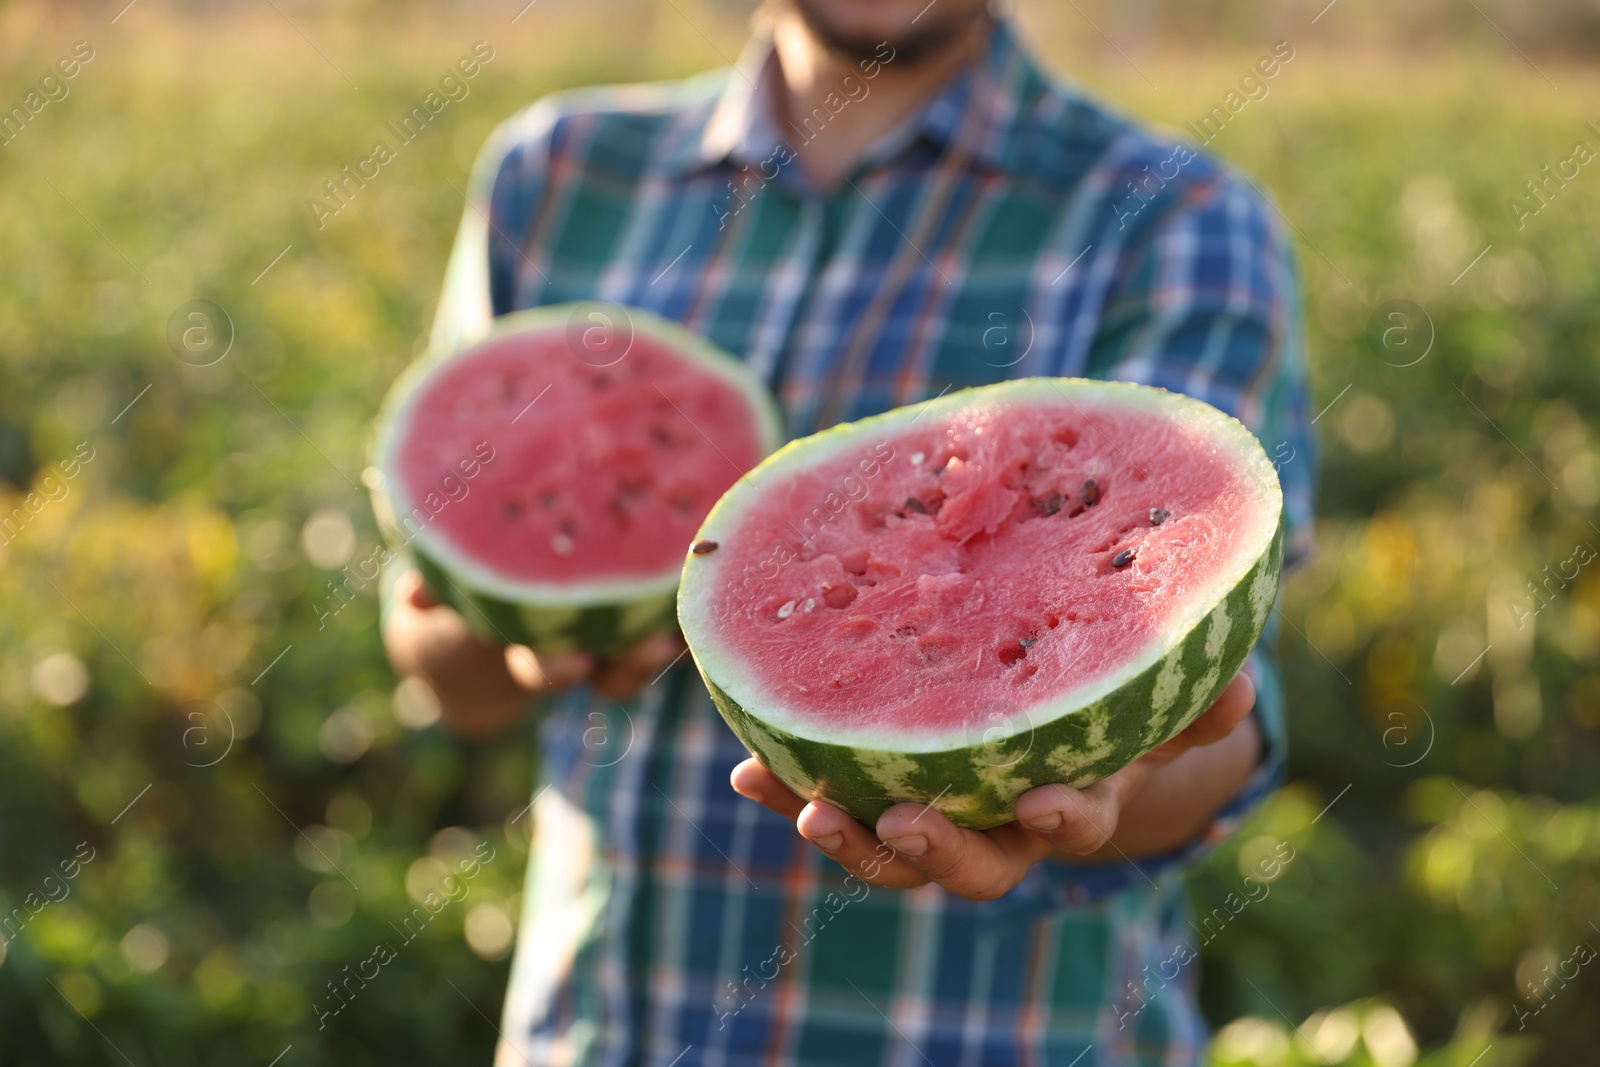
column 844, row 105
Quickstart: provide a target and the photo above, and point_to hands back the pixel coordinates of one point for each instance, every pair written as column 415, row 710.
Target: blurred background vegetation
column 245, row 800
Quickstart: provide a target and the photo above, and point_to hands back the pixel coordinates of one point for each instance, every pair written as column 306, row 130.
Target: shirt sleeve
column 488, row 267
column 1208, row 304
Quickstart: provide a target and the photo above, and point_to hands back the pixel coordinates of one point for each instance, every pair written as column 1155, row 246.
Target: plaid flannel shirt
column 1009, row 227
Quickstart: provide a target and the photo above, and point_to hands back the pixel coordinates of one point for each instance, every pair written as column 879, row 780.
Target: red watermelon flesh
column 974, row 563
column 599, row 472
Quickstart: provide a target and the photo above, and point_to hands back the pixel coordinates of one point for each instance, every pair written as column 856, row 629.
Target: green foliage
column 178, row 590
column 1457, row 704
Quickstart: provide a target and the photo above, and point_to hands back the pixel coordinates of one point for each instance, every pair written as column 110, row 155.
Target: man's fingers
column 854, row 847
column 754, row 782
column 525, row 668
column 1083, row 821
column 915, row 844
column 416, row 592
column 836, row 834
column 553, row 670
column 619, row 678
column 1080, row 821
column 970, row 864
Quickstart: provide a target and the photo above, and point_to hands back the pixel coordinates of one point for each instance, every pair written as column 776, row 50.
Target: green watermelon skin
column 597, row 622
column 977, row 786
column 598, row 628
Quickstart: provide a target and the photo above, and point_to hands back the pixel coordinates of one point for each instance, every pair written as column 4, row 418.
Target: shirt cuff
column 1081, row 883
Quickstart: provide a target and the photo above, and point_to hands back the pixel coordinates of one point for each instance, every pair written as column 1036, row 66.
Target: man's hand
column 484, row 688
column 1156, row 803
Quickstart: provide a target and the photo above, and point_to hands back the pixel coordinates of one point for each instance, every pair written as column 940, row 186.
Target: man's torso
column 996, row 235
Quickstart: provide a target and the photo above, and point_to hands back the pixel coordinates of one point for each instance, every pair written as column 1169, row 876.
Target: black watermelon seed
column 1159, row 516
column 1049, row 505
column 1122, row 559
column 913, row 504
column 700, row 548
column 1091, row 493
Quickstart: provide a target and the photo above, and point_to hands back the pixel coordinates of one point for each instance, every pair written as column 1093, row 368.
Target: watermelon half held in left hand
column 955, row 602
column 547, row 479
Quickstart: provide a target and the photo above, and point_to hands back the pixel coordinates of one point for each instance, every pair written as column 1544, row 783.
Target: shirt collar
column 977, row 111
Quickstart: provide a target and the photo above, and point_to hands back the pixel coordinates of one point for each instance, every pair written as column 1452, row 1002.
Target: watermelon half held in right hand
column 547, row 479
column 954, row 602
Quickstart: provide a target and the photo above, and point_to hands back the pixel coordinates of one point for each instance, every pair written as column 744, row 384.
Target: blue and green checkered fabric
column 1011, row 226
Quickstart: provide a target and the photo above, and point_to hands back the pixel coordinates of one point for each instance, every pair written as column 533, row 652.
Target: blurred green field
column 176, row 588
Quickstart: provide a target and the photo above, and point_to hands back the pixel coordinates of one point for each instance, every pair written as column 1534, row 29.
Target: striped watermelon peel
column 546, row 478
column 954, row 602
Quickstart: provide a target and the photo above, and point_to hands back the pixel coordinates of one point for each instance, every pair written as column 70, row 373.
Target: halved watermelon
column 954, row 602
column 547, row 479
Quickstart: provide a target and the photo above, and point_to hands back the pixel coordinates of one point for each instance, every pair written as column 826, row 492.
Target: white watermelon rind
column 1077, row 738
column 594, row 616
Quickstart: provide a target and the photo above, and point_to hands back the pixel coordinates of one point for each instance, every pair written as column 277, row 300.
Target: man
column 883, row 200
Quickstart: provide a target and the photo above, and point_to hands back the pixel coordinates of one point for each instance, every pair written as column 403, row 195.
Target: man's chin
column 915, row 39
